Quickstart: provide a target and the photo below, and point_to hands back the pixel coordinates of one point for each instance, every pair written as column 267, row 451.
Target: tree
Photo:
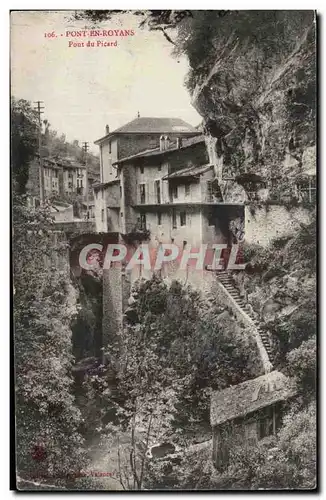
column 284, row 461
column 302, row 365
column 172, row 351
column 24, row 130
column 49, row 445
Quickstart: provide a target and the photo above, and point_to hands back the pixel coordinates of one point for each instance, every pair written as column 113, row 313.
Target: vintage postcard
column 163, row 167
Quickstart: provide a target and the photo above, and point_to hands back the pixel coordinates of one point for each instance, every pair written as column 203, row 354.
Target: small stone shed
column 245, row 413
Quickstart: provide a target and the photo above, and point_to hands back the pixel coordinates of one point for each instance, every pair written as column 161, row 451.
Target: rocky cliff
column 252, row 79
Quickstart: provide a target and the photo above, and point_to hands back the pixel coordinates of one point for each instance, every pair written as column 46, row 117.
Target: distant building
column 63, row 178
column 245, row 413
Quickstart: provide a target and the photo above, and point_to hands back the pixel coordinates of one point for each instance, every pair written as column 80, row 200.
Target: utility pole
column 39, row 109
column 85, row 148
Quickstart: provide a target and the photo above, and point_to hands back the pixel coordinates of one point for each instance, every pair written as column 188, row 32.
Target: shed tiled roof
column 186, row 143
column 189, row 172
column 239, row 400
column 151, row 125
column 55, row 162
column 100, row 185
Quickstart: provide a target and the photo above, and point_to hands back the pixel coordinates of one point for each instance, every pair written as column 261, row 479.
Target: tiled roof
column 188, row 172
column 239, row 400
column 186, row 143
column 62, row 162
column 100, row 185
column 150, row 125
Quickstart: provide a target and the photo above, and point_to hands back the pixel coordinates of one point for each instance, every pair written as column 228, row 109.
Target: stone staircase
column 226, row 279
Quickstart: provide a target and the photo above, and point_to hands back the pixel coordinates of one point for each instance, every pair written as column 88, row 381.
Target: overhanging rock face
column 260, row 103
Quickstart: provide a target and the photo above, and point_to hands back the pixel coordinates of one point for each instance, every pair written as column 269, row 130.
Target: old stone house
column 63, row 178
column 141, row 134
column 163, row 177
column 245, row 413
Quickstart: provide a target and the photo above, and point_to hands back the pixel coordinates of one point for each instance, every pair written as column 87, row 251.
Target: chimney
column 179, row 142
column 167, row 142
column 162, row 143
column 107, row 129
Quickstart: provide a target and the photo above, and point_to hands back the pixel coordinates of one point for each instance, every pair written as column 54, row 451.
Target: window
column 143, row 222
column 159, row 218
column 267, row 423
column 214, row 193
column 81, row 183
column 182, row 218
column 251, row 433
column 102, row 214
column 274, row 193
column 174, row 218
column 141, row 168
column 159, row 168
column 187, row 189
column 96, row 195
column 307, row 190
column 265, row 427
column 157, row 185
column 121, row 215
column 142, row 193
column 175, row 192
column 110, row 149
column 77, row 183
column 120, row 191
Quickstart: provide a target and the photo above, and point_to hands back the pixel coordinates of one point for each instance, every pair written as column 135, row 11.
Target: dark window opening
column 142, row 193
column 158, row 191
column 110, row 148
column 143, row 222
column 159, row 218
column 159, row 167
column 307, row 190
column 183, row 218
column 174, row 218
column 141, row 168
column 187, row 189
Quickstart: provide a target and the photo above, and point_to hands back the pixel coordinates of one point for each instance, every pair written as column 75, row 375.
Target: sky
column 85, row 88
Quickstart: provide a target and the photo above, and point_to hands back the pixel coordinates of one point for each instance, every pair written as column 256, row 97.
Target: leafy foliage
column 285, row 462
column 302, row 365
column 24, row 130
column 173, row 350
column 49, row 444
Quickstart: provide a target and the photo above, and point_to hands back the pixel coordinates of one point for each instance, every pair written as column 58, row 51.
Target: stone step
column 238, row 299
